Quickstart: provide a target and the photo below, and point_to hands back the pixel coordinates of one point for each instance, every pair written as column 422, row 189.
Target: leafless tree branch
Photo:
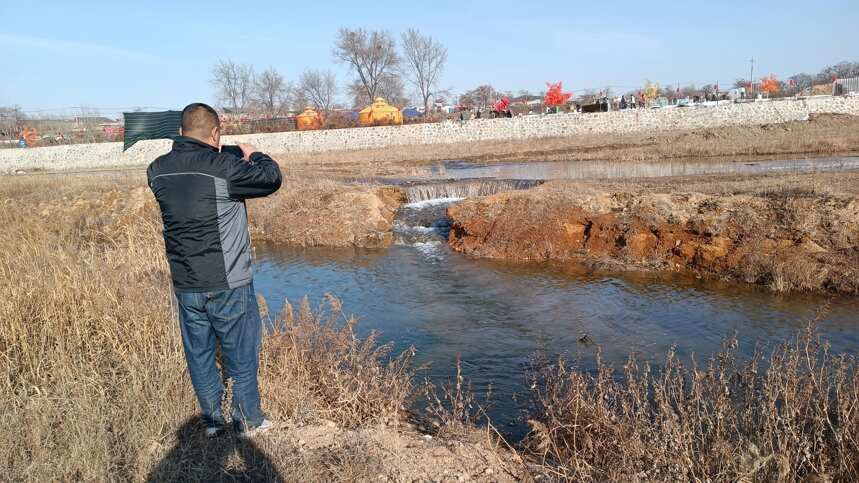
column 425, row 59
column 233, row 83
column 372, row 56
column 317, row 88
column 271, row 91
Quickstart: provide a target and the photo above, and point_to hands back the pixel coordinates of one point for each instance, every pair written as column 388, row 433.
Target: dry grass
column 793, row 417
column 323, row 370
column 452, row 408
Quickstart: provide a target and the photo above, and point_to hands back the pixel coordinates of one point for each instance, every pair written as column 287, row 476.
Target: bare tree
column 234, row 83
column 11, row 121
column 425, row 59
column 372, row 56
column 802, row 81
column 480, row 97
column 271, row 91
column 390, row 88
column 318, row 88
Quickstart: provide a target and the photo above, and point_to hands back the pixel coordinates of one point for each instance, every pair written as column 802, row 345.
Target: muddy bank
column 326, row 213
column 787, row 233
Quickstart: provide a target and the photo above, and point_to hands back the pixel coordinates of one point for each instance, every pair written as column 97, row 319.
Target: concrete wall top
column 104, row 155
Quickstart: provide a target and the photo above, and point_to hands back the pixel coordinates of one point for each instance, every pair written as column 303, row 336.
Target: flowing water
column 458, row 170
column 496, row 315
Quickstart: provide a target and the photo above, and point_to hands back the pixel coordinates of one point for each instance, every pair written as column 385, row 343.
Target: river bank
column 82, row 261
column 89, row 345
column 789, row 232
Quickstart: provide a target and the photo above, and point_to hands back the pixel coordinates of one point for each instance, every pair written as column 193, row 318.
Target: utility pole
column 752, row 78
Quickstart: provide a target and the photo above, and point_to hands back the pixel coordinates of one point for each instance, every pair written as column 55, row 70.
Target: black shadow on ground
column 197, row 458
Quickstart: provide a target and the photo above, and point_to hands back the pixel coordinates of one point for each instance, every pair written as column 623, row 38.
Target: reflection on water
column 495, row 315
column 639, row 169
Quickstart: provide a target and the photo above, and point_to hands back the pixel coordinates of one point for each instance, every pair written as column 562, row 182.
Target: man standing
column 201, row 192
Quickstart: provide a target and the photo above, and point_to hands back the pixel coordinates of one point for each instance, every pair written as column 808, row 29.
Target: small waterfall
column 423, row 221
column 467, row 188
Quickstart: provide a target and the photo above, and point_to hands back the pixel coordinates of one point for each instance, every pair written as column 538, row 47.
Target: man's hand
column 247, row 150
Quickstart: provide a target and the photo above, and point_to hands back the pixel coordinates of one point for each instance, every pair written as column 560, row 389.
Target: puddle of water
column 458, row 170
column 496, row 315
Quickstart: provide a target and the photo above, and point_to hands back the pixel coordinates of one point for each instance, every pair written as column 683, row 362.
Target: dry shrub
column 452, row 408
column 795, row 419
column 313, row 362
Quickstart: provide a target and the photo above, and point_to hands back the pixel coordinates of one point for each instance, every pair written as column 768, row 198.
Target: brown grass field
column 93, row 383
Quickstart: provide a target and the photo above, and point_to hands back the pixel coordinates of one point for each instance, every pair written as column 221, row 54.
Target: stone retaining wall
column 102, row 155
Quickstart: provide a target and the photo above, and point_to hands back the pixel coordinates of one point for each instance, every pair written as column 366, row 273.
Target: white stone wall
column 103, row 155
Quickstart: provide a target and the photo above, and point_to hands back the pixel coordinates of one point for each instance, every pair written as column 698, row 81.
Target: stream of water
column 496, row 315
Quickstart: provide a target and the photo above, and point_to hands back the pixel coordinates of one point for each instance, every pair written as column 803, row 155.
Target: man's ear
column 216, row 135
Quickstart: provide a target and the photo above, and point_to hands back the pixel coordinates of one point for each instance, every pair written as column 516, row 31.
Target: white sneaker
column 262, row 428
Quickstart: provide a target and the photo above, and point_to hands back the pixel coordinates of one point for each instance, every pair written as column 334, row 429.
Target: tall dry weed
column 316, row 366
column 793, row 417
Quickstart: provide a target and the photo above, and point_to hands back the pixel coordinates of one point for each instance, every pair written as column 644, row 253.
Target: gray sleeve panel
column 235, row 239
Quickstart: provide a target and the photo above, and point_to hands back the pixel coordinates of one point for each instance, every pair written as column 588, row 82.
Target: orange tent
column 380, row 113
column 309, row 120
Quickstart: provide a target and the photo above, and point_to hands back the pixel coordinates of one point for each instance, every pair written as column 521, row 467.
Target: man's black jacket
column 201, row 192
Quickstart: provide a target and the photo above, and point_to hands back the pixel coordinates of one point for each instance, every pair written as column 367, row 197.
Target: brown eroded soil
column 326, row 213
column 786, row 232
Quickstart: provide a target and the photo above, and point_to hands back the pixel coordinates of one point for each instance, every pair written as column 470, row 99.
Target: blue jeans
column 232, row 318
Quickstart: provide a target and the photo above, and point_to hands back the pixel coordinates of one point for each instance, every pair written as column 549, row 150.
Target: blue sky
column 118, row 54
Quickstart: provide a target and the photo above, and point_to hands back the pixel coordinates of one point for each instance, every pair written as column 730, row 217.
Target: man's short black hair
column 199, row 118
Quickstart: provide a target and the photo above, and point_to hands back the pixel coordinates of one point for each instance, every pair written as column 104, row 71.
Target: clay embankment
column 327, row 213
column 789, row 238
